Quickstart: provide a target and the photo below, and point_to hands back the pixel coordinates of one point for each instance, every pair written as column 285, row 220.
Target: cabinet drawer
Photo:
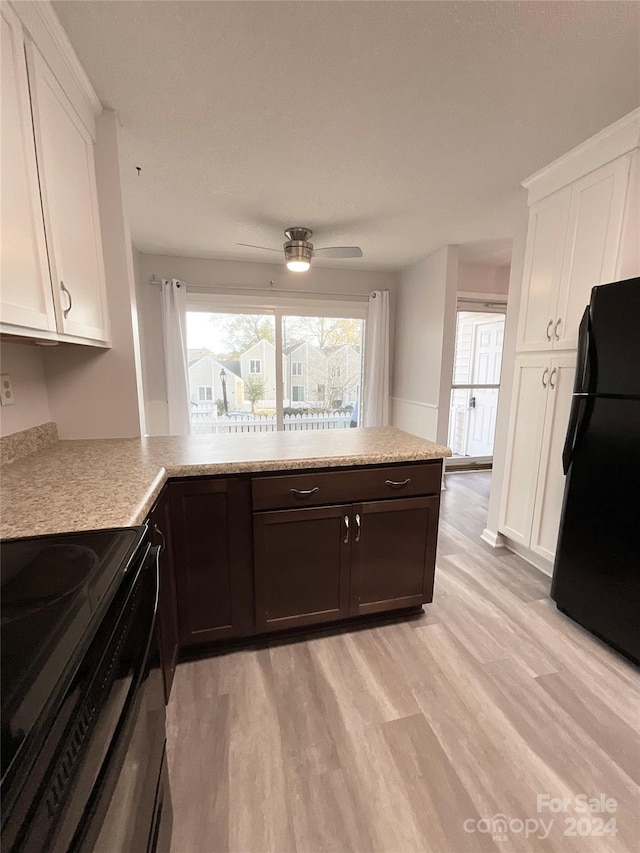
column 332, row 487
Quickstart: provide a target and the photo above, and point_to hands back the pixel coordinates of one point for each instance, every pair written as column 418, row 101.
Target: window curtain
column 174, row 331
column 375, row 410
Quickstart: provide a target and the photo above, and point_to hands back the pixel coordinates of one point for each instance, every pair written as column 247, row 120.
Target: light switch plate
column 6, row 390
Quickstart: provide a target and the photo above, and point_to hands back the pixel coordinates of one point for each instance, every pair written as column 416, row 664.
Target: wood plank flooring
column 414, row 736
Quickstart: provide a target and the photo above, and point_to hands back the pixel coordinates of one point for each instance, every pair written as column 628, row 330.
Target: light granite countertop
column 93, row 484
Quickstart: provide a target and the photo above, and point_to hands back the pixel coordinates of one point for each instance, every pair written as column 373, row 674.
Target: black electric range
column 53, row 590
column 82, row 698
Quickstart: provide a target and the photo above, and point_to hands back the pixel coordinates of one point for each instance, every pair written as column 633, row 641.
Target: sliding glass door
column 258, row 371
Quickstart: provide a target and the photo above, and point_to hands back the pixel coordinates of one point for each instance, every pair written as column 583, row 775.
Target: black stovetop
column 54, row 591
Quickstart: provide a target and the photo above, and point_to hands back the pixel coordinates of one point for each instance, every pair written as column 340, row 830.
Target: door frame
column 483, row 303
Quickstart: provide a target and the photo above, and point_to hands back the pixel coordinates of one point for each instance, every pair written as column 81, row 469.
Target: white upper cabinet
column 26, row 297
column 594, row 232
column 69, row 200
column 573, row 244
column 582, row 232
column 53, row 283
column 546, row 237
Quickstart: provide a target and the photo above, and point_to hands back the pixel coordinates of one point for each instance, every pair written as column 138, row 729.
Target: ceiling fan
column 298, row 251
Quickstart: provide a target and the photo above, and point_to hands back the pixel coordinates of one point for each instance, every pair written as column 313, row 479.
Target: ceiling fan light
column 298, row 254
column 298, row 266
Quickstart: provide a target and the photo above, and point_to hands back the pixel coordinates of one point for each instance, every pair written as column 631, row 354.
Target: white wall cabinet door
column 529, row 401
column 546, row 237
column 551, row 479
column 27, row 299
column 593, row 242
column 70, row 203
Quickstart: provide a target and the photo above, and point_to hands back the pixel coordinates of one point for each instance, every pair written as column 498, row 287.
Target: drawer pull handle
column 346, row 524
column 395, row 484
column 303, row 493
column 358, row 527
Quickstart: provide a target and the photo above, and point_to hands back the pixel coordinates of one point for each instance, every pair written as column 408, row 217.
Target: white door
column 70, row 203
column 595, row 226
column 488, row 339
column 27, row 300
column 542, row 273
column 550, row 488
column 531, row 384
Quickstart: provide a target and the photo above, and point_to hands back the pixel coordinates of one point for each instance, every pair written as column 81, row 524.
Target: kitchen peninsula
column 258, row 532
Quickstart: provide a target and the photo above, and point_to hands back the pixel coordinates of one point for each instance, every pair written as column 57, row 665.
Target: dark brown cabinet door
column 160, row 531
column 212, row 546
column 393, row 554
column 302, row 566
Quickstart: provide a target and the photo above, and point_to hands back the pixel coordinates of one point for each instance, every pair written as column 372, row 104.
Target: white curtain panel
column 375, row 410
column 174, row 331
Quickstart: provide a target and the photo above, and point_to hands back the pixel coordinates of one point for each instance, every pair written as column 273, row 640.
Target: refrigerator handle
column 583, row 362
column 576, row 418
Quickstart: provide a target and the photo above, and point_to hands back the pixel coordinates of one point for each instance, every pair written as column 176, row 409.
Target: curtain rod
column 229, row 290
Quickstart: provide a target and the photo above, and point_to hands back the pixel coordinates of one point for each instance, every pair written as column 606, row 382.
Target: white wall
column 482, row 278
column 230, row 275
column 506, row 377
column 95, row 393
column 424, row 329
column 23, row 362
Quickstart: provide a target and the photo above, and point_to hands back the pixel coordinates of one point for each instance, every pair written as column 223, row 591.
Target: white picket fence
column 206, row 421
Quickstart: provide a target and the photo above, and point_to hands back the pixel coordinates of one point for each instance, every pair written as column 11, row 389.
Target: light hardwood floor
column 402, row 737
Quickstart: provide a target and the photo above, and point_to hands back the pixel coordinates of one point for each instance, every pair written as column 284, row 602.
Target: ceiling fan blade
column 339, row 252
column 266, row 248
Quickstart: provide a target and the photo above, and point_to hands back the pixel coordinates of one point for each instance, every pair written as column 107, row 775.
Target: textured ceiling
column 395, row 126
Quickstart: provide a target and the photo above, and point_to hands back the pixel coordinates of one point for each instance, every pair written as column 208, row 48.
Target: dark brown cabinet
column 327, row 563
column 213, row 554
column 301, row 560
column 393, row 554
column 160, row 529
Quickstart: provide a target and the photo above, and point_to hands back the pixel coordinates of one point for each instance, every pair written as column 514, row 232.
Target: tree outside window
column 254, row 391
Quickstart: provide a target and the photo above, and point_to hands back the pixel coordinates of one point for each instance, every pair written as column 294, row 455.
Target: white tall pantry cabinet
column 583, row 231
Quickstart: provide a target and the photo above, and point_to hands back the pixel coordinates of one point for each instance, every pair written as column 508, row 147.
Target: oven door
column 100, row 774
column 131, row 806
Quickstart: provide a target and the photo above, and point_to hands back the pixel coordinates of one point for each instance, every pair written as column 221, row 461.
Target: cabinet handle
column 544, row 376
column 161, row 535
column 553, row 373
column 303, row 493
column 555, row 329
column 396, row 484
column 65, row 311
column 358, row 527
column 549, row 325
column 346, row 524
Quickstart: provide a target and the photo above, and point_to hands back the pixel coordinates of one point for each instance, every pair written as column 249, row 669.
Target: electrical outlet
column 6, row 390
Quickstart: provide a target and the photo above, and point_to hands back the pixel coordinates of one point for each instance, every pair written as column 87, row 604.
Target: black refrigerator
column 596, row 576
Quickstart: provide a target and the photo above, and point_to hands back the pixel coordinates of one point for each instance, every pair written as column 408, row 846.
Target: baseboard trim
column 530, row 556
column 496, row 540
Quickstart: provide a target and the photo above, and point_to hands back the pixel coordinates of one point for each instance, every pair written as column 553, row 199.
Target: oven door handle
column 100, row 797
